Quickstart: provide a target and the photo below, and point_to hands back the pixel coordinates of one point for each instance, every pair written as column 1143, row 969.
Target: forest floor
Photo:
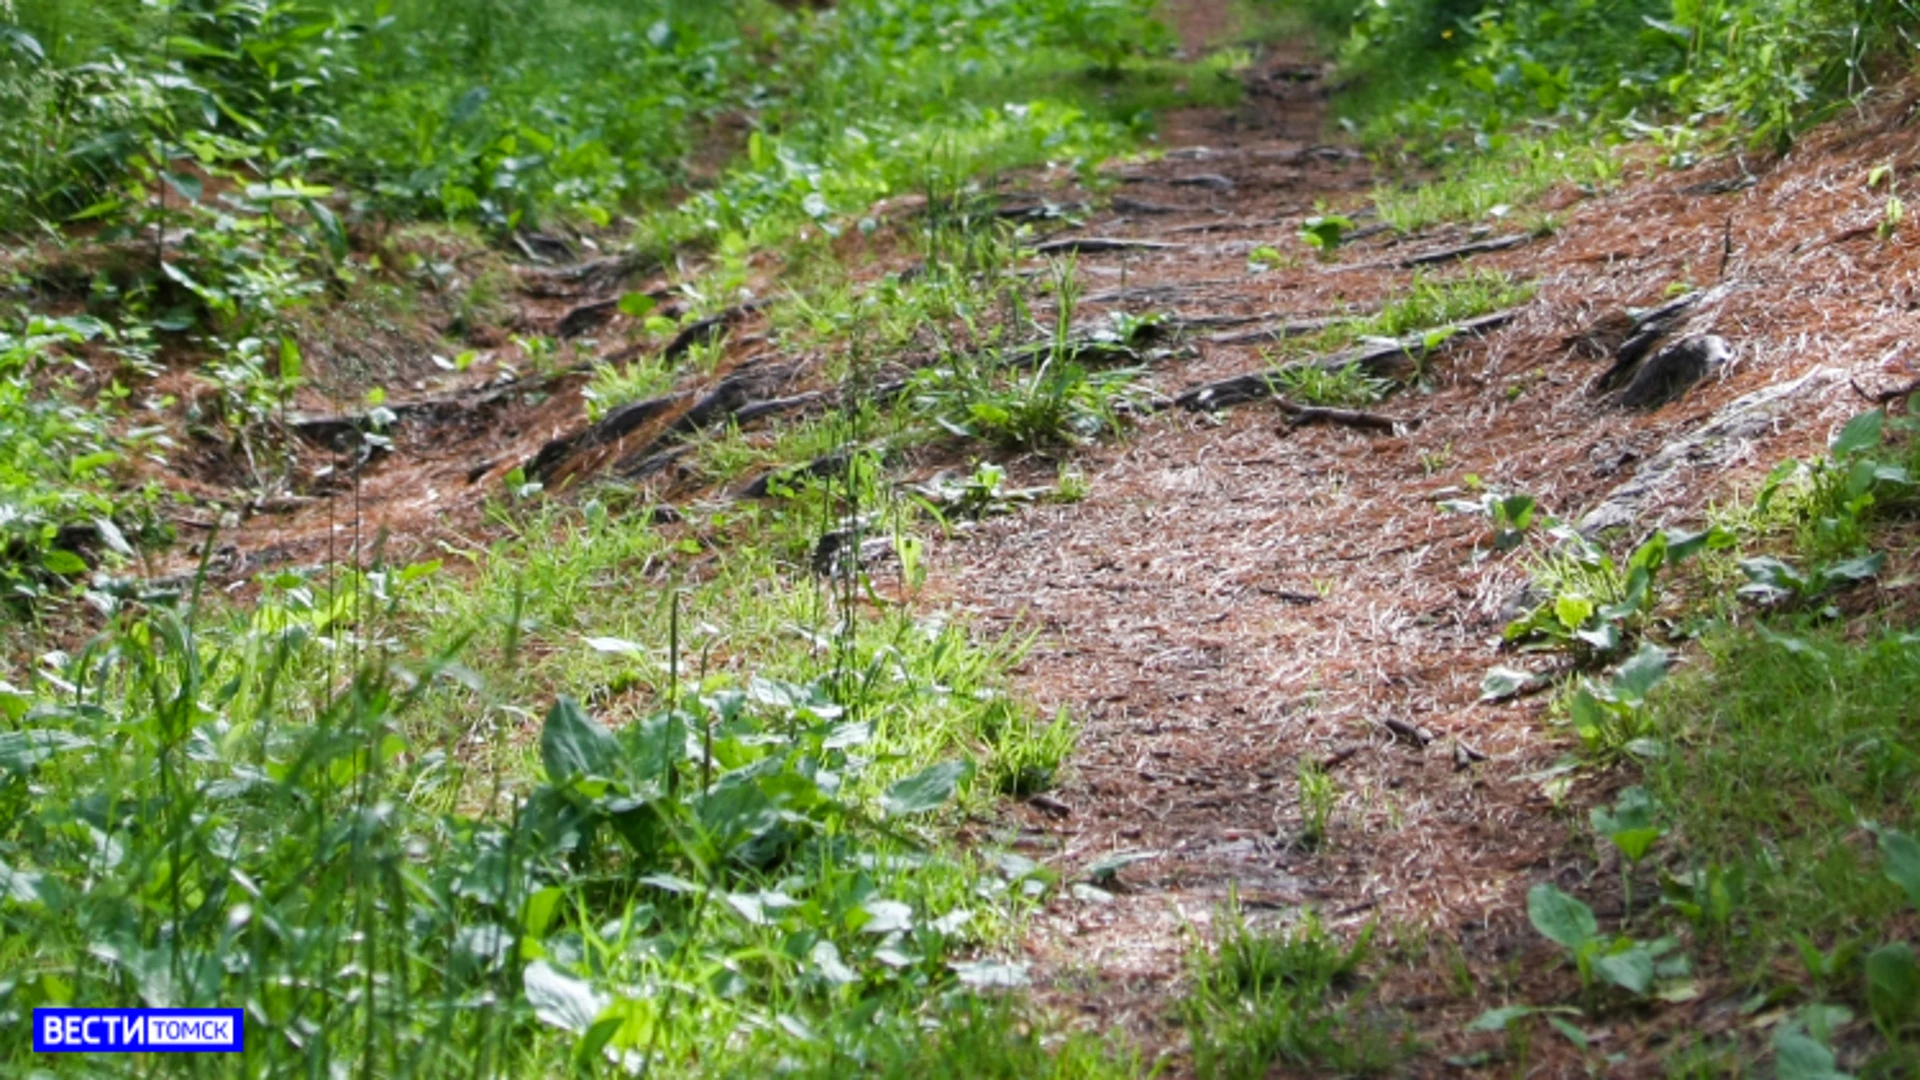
column 1237, row 593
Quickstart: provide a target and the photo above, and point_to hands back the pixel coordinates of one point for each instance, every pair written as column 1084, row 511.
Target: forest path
column 1231, row 600
column 1239, row 599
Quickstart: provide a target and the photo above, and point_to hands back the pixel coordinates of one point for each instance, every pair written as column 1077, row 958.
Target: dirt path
column 1236, row 597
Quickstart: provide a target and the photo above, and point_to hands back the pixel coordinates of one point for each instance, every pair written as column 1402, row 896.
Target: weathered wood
column 1275, row 332
column 1464, row 251
column 1298, row 415
column 1674, row 370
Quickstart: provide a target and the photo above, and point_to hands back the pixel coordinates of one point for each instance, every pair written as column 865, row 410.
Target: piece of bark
column 1674, row 370
column 1887, row 397
column 1040, row 211
column 331, row 428
column 1051, row 805
column 1645, row 331
column 598, row 274
column 617, row 424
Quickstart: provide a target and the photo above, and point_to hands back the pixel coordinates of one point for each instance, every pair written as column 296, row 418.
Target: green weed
column 1351, row 387
column 1291, row 1000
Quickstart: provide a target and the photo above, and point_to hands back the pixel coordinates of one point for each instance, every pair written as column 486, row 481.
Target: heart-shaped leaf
column 560, row 999
column 573, row 744
column 1561, row 918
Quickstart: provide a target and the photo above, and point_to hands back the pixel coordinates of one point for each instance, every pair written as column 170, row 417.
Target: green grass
column 1430, row 301
column 1291, row 1000
column 1782, row 749
column 1504, row 180
column 355, row 809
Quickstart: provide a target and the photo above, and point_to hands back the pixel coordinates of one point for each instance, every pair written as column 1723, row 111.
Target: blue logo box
column 149, row 1031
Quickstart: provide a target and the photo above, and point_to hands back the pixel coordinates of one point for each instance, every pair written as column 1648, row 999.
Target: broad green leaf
column 1683, row 545
column 1893, row 985
column 187, row 187
column 1641, row 674
column 1504, row 682
column 1633, row 809
column 1863, row 568
column 618, row 646
column 636, row 305
column 1631, row 970
column 561, row 999
column 1902, row 856
column 1561, row 918
column 1863, row 432
column 572, row 744
column 22, row 750
column 825, row 956
column 1797, row 1057
column 1572, row 610
column 1105, row 869
column 537, row 914
column 990, row 975
column 1498, row 1019
column 1573, row 1034
column 928, row 789
column 63, row 562
column 19, row 886
column 111, row 536
column 886, row 917
column 1633, row 843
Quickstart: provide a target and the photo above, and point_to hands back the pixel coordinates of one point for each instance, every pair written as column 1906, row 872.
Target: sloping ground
column 1238, row 593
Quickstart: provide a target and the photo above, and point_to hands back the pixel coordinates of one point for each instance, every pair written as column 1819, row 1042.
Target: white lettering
column 72, row 1026
column 50, row 1032
column 189, row 1031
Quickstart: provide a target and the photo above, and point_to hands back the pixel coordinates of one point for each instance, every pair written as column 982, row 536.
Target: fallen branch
column 1300, row 415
